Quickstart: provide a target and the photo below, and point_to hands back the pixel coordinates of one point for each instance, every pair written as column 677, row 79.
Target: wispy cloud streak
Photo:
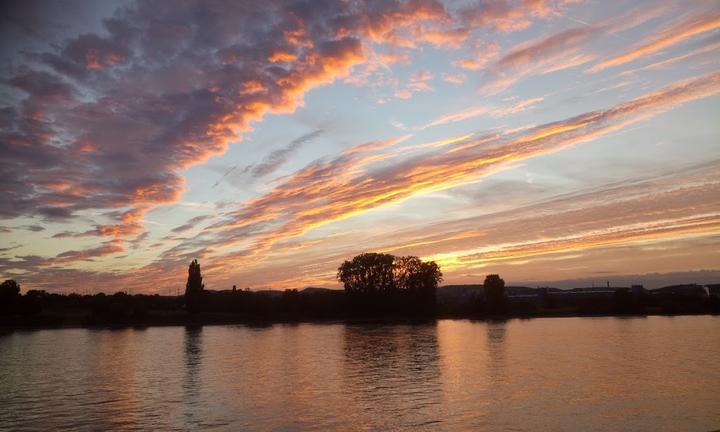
column 564, row 50
column 681, row 31
column 329, row 191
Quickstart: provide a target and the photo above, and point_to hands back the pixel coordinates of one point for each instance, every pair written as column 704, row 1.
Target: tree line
column 376, row 285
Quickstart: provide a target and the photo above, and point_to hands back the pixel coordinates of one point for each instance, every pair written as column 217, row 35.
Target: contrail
column 275, row 159
column 225, row 175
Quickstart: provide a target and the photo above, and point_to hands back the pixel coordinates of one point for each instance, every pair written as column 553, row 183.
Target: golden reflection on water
column 546, row 374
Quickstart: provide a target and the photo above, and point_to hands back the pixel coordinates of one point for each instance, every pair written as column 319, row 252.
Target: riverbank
column 46, row 310
column 183, row 318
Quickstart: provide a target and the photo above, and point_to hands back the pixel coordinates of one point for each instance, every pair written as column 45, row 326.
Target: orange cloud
column 195, row 100
column 639, row 212
column 507, row 16
column 419, row 82
column 681, row 31
column 617, row 235
column 550, row 54
column 665, row 207
column 375, row 146
column 453, row 38
column 282, row 57
column 483, row 110
column 710, row 48
column 565, row 50
column 323, row 192
column 482, row 53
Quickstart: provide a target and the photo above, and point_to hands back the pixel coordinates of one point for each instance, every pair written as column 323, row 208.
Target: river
column 555, row 374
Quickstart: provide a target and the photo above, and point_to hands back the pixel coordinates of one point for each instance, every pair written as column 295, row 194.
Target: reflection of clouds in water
column 394, row 371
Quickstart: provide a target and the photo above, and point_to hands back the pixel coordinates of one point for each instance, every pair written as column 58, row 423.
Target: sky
column 544, row 140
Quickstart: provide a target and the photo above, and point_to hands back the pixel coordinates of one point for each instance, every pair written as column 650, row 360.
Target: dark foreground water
column 571, row 374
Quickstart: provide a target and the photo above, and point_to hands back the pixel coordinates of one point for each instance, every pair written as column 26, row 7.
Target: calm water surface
column 639, row 374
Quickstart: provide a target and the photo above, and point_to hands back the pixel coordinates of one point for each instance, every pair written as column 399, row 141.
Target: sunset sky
column 544, row 140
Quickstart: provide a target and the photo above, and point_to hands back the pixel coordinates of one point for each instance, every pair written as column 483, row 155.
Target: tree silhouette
column 383, row 283
column 494, row 288
column 9, row 295
column 194, row 289
column 419, row 278
column 9, row 289
column 368, row 273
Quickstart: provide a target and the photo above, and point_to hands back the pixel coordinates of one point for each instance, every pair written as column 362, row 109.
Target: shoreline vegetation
column 377, row 288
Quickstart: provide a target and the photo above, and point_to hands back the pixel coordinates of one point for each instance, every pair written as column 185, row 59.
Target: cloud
column 328, row 191
column 99, row 125
column 109, row 247
column 712, row 46
column 549, row 54
column 507, row 16
column 476, row 111
column 482, row 54
column 192, row 223
column 452, row 38
column 576, row 233
column 419, row 82
column 670, row 206
column 652, row 210
column 564, row 50
column 105, row 121
column 376, row 71
column 274, row 160
column 7, row 249
column 33, row 228
column 109, row 119
column 448, row 28
column 667, row 209
column 613, row 236
column 454, row 78
column 677, row 33
column 370, row 147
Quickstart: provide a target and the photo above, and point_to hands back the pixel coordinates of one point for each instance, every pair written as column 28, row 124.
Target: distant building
column 544, row 296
